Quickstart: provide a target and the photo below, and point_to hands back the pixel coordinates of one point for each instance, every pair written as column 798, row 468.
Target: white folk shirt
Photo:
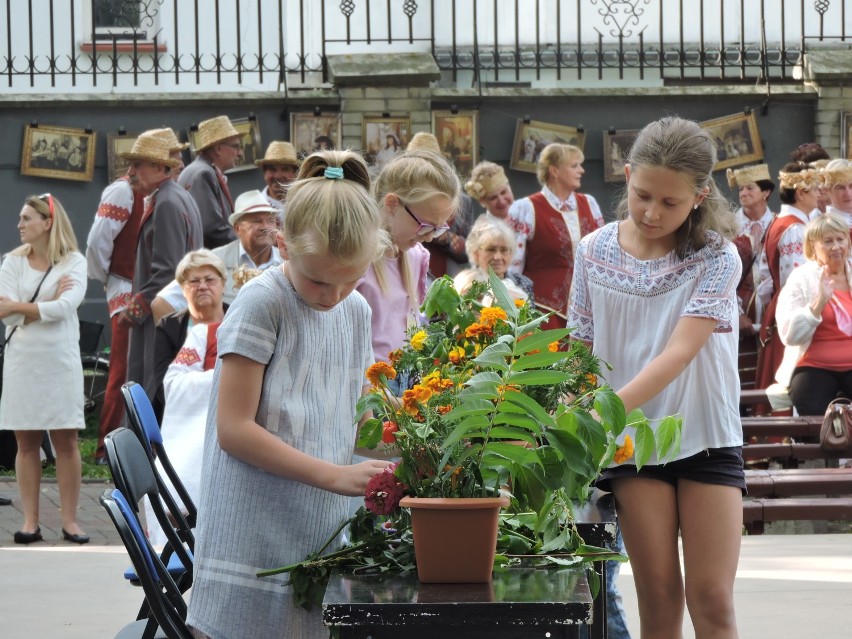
column 113, row 212
column 791, row 248
column 755, row 230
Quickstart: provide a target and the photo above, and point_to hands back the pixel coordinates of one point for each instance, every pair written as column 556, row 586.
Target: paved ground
column 788, row 586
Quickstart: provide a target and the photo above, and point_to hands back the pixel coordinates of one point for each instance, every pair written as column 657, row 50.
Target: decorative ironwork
column 621, row 14
column 134, row 14
column 347, row 7
column 409, row 8
column 821, row 6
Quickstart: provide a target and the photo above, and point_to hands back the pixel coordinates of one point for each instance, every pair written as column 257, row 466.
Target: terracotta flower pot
column 454, row 539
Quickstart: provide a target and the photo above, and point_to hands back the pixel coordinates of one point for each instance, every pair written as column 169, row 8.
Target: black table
column 518, row 603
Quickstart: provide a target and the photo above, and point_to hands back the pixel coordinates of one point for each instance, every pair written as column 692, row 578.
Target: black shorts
column 722, row 466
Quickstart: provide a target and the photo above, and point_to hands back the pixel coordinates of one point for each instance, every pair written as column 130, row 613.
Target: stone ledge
column 379, row 70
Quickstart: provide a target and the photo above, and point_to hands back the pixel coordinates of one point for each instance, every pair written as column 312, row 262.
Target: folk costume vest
column 772, row 351
column 550, row 256
column 123, row 260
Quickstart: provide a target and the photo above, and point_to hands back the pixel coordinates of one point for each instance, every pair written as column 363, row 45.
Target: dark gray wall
column 787, row 124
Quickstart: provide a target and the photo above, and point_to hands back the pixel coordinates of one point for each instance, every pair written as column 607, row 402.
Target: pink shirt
column 393, row 311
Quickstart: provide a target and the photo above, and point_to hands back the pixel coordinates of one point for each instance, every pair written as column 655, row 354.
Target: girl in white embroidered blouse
column 654, row 294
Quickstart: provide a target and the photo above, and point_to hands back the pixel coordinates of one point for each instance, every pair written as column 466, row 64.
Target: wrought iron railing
column 87, row 45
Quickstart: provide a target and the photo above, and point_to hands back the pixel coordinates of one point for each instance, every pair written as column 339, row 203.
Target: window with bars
column 123, row 20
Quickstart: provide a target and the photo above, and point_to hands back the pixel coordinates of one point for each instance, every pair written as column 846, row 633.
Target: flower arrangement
column 497, row 406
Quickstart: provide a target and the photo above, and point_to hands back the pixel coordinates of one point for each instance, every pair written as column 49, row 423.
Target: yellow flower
column 375, row 372
column 520, row 303
column 624, row 451
column 456, row 355
column 553, row 346
column 418, row 340
column 413, row 398
column 491, row 315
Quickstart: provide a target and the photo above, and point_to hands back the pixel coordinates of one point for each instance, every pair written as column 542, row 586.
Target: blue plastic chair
column 165, row 614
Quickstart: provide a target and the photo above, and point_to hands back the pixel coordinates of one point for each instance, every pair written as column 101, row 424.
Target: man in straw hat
column 170, row 228
column 280, row 166
column 837, row 177
column 111, row 258
column 754, row 187
column 255, row 222
column 219, row 149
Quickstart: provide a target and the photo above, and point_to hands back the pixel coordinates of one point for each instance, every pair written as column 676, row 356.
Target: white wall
column 536, row 19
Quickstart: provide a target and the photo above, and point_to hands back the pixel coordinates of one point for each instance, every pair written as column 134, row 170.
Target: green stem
column 316, row 562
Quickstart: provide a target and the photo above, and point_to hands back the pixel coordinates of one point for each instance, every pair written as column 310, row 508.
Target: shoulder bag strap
column 32, row 299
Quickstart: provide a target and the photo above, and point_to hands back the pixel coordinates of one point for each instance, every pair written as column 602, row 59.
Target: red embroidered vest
column 123, row 260
column 550, row 255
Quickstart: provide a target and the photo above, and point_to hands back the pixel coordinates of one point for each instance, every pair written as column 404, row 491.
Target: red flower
column 383, row 492
column 388, row 429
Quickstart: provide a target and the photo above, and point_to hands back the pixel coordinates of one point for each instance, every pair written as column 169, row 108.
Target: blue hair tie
column 333, row 173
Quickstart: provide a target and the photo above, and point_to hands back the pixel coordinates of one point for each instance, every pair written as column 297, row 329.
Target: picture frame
column 846, row 135
column 383, row 138
column 737, row 139
column 63, row 153
column 118, row 143
column 249, row 130
column 458, row 136
column 616, row 147
column 313, row 131
column 531, row 136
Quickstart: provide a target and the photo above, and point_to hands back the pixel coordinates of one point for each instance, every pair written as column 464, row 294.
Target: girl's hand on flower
column 352, row 480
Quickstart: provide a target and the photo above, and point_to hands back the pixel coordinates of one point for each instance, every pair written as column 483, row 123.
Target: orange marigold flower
column 444, row 409
column 456, row 355
column 413, row 398
column 476, row 329
column 395, row 355
column 520, row 303
column 591, row 380
column 491, row 315
column 624, row 451
column 379, row 369
column 553, row 346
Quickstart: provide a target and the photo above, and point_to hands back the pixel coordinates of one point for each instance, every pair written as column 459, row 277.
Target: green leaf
column 472, row 425
column 507, row 432
column 572, row 450
column 529, row 327
column 501, row 295
column 495, row 356
column 469, row 407
column 518, row 454
column 610, row 407
column 538, row 341
column 668, row 437
column 644, row 445
column 370, row 433
column 482, row 392
column 485, row 377
column 539, row 360
column 521, row 421
column 536, row 378
column 441, row 298
column 530, row 405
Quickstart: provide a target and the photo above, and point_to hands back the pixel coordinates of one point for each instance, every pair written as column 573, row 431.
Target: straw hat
column 749, row 174
column 277, row 152
column 215, row 130
column 150, row 147
column 250, row 202
column 804, row 179
column 423, row 141
column 487, row 177
column 169, row 137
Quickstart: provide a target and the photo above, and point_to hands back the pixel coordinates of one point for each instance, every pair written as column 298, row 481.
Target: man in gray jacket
column 219, row 148
column 171, row 227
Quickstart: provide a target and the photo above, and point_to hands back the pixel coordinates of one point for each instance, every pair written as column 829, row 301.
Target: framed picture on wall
column 384, row 137
column 249, row 130
column 846, row 135
column 458, row 137
column 58, row 152
column 118, row 143
column 531, row 137
column 737, row 139
column 616, row 146
column 313, row 131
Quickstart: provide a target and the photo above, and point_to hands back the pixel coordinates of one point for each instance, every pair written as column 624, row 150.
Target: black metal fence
column 184, row 45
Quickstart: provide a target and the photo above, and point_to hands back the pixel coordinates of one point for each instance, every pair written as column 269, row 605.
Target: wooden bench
column 791, row 493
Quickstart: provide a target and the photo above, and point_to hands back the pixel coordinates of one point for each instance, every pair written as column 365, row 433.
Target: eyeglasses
column 426, row 229
column 208, row 281
column 48, row 199
column 233, row 145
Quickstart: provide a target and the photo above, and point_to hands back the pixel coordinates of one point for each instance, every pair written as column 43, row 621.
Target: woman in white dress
column 42, row 283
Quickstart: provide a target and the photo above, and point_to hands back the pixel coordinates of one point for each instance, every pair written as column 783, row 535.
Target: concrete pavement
column 788, row 586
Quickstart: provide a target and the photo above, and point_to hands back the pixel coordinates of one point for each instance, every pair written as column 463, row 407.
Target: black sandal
column 22, row 537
